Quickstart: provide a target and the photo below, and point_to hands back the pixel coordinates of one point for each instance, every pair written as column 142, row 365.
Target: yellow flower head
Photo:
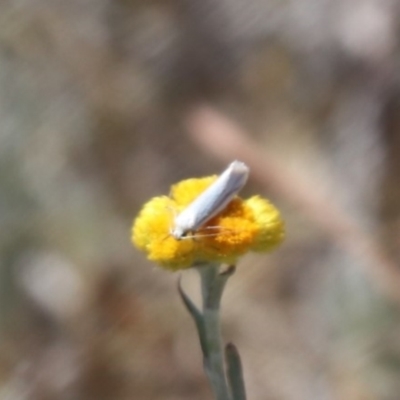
column 244, row 225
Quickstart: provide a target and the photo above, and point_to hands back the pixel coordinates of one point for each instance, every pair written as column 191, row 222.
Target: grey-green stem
column 212, row 285
column 226, row 385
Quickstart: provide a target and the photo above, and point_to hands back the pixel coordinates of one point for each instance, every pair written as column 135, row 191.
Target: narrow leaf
column 234, row 372
column 197, row 317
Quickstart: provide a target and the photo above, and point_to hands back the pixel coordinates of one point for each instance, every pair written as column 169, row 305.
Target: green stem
column 213, row 364
column 212, row 284
column 226, row 384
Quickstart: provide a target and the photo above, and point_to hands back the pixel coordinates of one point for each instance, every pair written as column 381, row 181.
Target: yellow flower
column 244, row 225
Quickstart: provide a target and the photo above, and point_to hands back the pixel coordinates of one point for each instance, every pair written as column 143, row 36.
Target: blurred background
column 106, row 103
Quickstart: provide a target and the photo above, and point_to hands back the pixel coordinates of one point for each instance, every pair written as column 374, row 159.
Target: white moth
column 212, row 201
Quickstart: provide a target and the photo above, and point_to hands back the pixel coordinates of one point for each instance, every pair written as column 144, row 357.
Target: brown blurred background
column 106, row 103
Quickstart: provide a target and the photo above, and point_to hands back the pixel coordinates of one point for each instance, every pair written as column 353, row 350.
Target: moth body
column 212, row 201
